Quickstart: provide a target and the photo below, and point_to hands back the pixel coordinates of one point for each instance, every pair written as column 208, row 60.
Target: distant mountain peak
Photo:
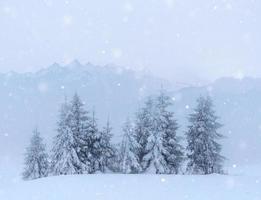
column 74, row 64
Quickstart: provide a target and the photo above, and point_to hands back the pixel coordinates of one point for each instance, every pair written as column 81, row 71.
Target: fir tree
column 36, row 158
column 202, row 139
column 143, row 130
column 166, row 133
column 128, row 159
column 167, row 153
column 107, row 150
column 90, row 146
column 65, row 159
column 80, row 125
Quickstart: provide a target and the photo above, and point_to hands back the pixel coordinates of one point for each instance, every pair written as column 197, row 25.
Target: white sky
column 182, row 40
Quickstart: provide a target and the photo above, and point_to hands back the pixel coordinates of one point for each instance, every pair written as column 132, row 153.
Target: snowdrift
column 135, row 187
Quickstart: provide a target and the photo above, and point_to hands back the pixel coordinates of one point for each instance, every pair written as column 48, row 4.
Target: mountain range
column 30, row 100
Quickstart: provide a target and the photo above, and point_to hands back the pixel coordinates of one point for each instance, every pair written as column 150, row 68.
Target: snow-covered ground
column 135, row 187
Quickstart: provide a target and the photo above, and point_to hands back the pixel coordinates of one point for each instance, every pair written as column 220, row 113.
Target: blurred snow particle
column 119, row 84
column 177, row 97
column 116, row 52
column 239, row 75
column 62, row 87
column 43, row 87
column 125, row 19
column 7, row 10
column 67, row 20
column 6, row 134
column 234, row 166
column 48, row 3
column 187, row 107
column 169, row 3
column 163, row 180
column 173, row 99
column 128, row 7
column 228, row 6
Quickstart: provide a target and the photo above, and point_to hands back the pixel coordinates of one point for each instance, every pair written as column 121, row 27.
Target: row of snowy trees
column 150, row 143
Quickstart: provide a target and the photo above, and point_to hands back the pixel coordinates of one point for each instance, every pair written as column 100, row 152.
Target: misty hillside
column 33, row 99
column 237, row 102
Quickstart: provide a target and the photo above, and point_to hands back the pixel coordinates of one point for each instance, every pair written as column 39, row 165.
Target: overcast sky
column 183, row 40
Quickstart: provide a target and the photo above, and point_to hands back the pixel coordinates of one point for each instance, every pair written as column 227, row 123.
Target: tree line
column 150, row 143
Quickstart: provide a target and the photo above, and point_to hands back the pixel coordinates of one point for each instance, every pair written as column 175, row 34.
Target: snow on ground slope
column 135, row 187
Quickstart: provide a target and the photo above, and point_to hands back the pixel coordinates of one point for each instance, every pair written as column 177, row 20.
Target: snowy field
column 135, row 187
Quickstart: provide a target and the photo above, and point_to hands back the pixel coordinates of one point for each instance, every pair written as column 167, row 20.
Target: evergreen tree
column 128, row 159
column 143, row 130
column 167, row 153
column 36, row 158
column 202, row 138
column 168, row 145
column 91, row 146
column 107, row 150
column 65, row 159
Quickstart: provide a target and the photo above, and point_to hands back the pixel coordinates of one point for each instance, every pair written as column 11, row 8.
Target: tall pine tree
column 168, row 143
column 128, row 158
column 65, row 159
column 143, row 130
column 91, row 146
column 167, row 153
column 202, row 139
column 36, row 158
column 107, row 150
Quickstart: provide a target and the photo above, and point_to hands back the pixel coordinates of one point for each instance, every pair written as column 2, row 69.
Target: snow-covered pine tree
column 128, row 159
column 167, row 153
column 90, row 149
column 83, row 130
column 202, row 139
column 65, row 158
column 168, row 146
column 143, row 130
column 36, row 158
column 107, row 150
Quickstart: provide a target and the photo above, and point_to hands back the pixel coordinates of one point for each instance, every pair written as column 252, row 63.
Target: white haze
column 181, row 40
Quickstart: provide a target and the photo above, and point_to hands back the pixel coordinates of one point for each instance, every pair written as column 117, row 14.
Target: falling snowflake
column 7, row 9
column 169, row 3
column 128, row 7
column 163, row 180
column 116, row 52
column 239, row 75
column 67, row 20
